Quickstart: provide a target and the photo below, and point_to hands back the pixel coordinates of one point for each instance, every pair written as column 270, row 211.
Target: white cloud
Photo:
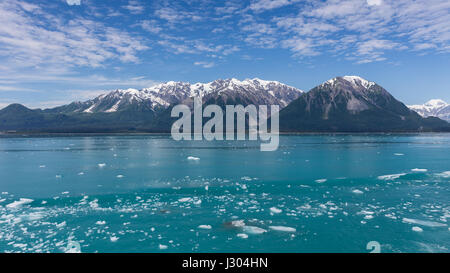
column 374, row 2
column 134, row 7
column 73, row 2
column 204, row 64
column 261, row 5
column 360, row 30
column 39, row 38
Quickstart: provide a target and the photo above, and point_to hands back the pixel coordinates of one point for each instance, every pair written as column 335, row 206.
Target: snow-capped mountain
column 163, row 95
column 351, row 104
column 433, row 108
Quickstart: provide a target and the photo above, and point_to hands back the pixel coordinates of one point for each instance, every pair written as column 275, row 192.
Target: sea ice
column 419, row 170
column 242, row 235
column 20, row 203
column 253, row 230
column 101, row 165
column 357, row 192
column 162, row 246
column 423, row 223
column 283, row 228
column 417, row 229
column 275, row 210
column 193, row 158
column 204, row 226
column 114, row 239
column 321, row 180
column 185, row 199
column 391, row 176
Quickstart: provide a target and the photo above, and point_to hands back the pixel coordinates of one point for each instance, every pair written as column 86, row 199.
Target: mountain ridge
column 341, row 104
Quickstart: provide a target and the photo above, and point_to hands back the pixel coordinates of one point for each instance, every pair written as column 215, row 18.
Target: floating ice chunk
column 283, row 228
column 253, row 230
column 20, row 203
column 238, row 223
column 58, row 176
column 242, row 235
column 368, row 217
column 101, row 223
column 114, row 239
column 391, row 176
column 444, row 174
column 357, row 191
column 423, row 223
column 399, row 154
column 193, row 158
column 417, row 229
column 185, row 199
column 101, row 165
column 73, row 247
column 205, row 226
column 197, row 202
column 61, row 225
column 162, row 246
column 120, row 176
column 42, row 166
column 419, row 170
column 275, row 210
column 321, row 180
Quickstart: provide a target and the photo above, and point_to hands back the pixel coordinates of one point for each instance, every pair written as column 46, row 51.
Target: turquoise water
column 316, row 193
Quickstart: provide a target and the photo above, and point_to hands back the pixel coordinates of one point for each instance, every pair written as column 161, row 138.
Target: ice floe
column 193, row 158
column 419, row 170
column 114, row 239
column 162, row 246
column 101, row 165
column 321, row 180
column 275, row 210
column 253, row 230
column 357, row 191
column 423, row 222
column 391, row 176
column 283, row 228
column 205, row 226
column 417, row 229
column 242, row 235
column 20, row 203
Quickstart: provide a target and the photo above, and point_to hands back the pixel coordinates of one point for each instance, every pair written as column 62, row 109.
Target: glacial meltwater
column 149, row 193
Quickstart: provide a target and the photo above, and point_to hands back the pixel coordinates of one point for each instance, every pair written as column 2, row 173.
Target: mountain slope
column 433, row 108
column 352, row 104
column 143, row 110
column 161, row 96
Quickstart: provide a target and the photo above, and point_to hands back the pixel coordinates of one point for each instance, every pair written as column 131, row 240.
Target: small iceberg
column 357, row 191
column 321, row 180
column 205, row 226
column 391, row 176
column 253, row 230
column 101, row 165
column 419, row 170
column 423, row 223
column 242, row 235
column 417, row 229
column 20, row 203
column 162, row 246
column 193, row 158
column 275, row 210
column 114, row 239
column 283, row 228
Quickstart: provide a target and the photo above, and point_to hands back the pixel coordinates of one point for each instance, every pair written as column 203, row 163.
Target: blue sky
column 54, row 52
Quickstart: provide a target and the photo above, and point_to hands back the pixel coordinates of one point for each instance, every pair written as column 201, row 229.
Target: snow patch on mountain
column 433, row 108
column 165, row 94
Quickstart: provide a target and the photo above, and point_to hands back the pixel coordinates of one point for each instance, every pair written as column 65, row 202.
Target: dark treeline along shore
column 342, row 104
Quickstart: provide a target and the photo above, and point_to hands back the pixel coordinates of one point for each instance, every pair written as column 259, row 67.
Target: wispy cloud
column 32, row 37
column 204, row 64
column 73, row 2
